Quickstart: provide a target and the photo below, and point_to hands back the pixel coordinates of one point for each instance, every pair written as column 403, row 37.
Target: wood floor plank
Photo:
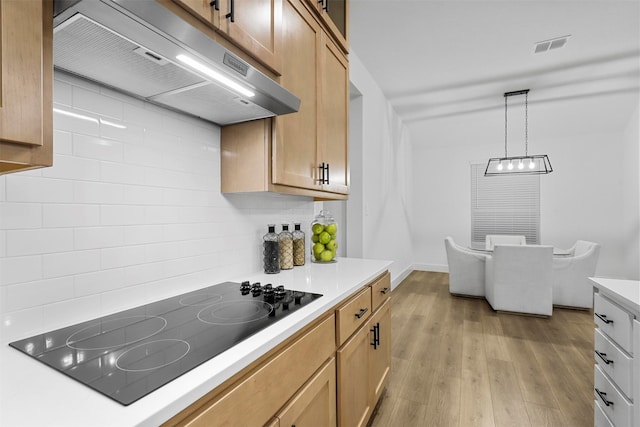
column 456, row 362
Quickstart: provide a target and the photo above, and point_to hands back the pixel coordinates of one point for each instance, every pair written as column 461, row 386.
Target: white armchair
column 503, row 239
column 518, row 279
column 571, row 287
column 466, row 270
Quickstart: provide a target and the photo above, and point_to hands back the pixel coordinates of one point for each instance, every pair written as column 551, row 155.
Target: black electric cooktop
column 129, row 354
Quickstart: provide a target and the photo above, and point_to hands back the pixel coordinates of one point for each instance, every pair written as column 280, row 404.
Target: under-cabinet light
column 215, row 75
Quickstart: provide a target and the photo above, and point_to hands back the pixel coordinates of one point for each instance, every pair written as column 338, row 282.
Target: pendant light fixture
column 518, row 165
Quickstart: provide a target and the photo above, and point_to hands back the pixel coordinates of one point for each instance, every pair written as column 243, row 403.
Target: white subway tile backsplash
column 70, row 215
column 130, row 211
column 98, row 237
column 98, row 282
column 35, row 189
column 41, row 292
column 97, row 103
column 40, row 241
column 122, row 256
column 75, row 168
column 97, row 148
column 70, row 263
column 98, row 193
column 122, row 215
column 20, row 269
column 63, row 141
column 20, row 215
column 136, row 235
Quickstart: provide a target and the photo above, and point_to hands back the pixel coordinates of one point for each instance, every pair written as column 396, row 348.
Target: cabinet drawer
column 353, row 314
column 279, row 378
column 614, row 362
column 619, row 408
column 380, row 291
column 613, row 321
column 599, row 417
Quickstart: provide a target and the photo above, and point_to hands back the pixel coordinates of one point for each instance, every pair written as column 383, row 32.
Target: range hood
column 140, row 48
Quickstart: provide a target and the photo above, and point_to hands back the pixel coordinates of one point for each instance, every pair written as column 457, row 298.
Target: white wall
column 631, row 198
column 125, row 213
column 584, row 198
column 386, row 178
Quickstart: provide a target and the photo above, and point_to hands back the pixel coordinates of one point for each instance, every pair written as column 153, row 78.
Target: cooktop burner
column 129, row 354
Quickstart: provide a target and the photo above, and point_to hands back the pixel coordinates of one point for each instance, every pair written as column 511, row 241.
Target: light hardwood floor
column 455, row 362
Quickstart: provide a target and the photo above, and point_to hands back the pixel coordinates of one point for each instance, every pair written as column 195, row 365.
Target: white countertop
column 625, row 292
column 33, row 394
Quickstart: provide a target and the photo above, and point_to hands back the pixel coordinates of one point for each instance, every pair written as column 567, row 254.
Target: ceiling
column 441, row 61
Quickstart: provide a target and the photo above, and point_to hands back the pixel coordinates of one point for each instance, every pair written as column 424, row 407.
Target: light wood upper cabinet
column 333, row 128
column 26, row 84
column 293, row 147
column 295, row 153
column 335, row 16
column 252, row 25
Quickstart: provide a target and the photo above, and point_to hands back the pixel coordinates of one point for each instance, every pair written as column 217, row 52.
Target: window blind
column 508, row 204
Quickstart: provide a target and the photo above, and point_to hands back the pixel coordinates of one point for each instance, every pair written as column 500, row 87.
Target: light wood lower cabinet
column 26, row 84
column 364, row 363
column 305, row 381
column 380, row 353
column 315, row 404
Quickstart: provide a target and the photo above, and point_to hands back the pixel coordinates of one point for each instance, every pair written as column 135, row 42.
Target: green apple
column 324, row 238
column 314, row 238
column 318, row 248
column 326, row 256
column 331, row 228
column 317, row 228
column 332, row 245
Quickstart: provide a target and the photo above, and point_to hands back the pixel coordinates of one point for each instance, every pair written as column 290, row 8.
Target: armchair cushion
column 518, row 278
column 571, row 287
column 466, row 270
column 502, row 239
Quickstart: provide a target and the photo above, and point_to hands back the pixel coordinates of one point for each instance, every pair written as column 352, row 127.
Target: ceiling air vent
column 547, row 45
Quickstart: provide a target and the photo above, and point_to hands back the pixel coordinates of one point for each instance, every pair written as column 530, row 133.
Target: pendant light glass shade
column 518, row 165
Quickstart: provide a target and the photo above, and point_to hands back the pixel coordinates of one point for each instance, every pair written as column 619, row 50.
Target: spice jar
column 271, row 251
column 298, row 245
column 324, row 241
column 285, row 242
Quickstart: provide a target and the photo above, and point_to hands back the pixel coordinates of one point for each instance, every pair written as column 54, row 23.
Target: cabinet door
column 26, row 84
column 380, row 354
column 295, row 156
column 256, row 27
column 334, row 113
column 335, row 16
column 201, row 9
column 315, row 404
column 354, row 397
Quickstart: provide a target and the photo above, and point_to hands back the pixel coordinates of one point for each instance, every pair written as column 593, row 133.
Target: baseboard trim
column 403, row 275
column 438, row 268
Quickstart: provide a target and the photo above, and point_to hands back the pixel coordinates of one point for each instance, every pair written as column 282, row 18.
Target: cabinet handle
column 603, row 357
column 324, row 173
column 327, row 180
column 362, row 312
column 375, row 342
column 604, row 398
column 603, row 317
column 325, row 5
column 215, row 4
column 384, row 291
column 377, row 334
column 321, row 171
column 231, row 13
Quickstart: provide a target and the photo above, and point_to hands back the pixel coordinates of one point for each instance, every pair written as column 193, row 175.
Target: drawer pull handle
column 603, row 317
column 362, row 312
column 384, row 291
column 603, row 357
column 604, row 398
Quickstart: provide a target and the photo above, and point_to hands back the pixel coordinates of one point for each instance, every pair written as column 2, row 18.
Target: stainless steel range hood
column 141, row 48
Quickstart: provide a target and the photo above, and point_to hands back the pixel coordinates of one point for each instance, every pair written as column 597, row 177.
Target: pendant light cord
column 505, row 126
column 526, row 124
